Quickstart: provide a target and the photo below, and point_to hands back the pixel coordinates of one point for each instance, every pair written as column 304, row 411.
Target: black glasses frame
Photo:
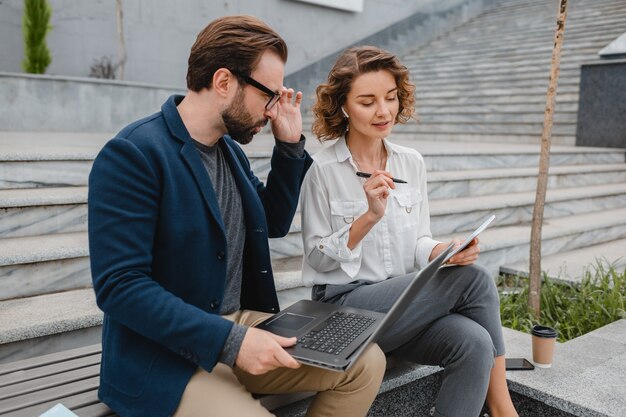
column 274, row 96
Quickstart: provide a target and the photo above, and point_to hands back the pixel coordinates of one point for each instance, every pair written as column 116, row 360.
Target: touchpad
column 290, row 321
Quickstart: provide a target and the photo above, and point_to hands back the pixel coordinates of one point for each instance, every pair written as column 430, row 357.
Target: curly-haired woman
column 364, row 237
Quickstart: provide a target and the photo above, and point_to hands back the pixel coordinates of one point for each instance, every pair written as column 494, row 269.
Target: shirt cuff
column 289, row 149
column 425, row 247
column 232, row 345
column 335, row 247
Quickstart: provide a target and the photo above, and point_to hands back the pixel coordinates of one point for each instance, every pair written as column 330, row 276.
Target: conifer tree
column 35, row 28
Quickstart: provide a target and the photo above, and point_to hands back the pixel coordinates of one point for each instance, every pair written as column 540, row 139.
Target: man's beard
column 239, row 122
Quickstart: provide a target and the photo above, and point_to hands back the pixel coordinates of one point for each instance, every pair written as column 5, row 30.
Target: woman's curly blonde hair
column 329, row 121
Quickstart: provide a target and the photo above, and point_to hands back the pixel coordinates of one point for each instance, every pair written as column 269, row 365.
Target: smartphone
column 518, row 364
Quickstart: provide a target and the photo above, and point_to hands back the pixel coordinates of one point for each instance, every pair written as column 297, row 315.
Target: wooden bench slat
column 73, row 402
column 48, row 370
column 55, row 394
column 39, row 384
column 52, row 358
column 95, row 410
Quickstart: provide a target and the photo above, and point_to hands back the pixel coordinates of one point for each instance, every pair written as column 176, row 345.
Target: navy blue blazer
column 158, row 256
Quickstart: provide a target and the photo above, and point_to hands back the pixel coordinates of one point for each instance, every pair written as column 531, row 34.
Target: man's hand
column 467, row 256
column 263, row 351
column 287, row 123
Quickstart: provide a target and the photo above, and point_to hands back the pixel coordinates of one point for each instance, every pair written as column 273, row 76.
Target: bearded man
column 178, row 230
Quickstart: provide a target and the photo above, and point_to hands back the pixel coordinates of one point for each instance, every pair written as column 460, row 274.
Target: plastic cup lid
column 543, row 331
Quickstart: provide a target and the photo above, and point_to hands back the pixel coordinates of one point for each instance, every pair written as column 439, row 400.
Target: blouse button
column 321, row 246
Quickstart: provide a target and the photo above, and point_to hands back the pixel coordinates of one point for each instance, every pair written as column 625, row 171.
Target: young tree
column 121, row 47
column 534, row 293
column 35, row 27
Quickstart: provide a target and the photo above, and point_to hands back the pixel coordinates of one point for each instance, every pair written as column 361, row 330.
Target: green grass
column 572, row 309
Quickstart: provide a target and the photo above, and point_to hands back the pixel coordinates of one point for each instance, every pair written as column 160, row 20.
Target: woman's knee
column 483, row 281
column 474, row 347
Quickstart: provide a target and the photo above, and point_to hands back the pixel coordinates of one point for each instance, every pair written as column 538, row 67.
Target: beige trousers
column 227, row 392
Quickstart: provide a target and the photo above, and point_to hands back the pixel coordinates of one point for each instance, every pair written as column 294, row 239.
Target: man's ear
column 224, row 82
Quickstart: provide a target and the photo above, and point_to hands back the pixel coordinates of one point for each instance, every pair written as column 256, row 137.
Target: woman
column 365, row 237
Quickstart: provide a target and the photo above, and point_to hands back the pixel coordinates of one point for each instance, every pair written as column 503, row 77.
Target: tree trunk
column 121, row 47
column 534, row 293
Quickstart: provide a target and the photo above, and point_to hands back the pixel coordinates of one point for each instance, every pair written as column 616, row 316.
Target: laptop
column 332, row 336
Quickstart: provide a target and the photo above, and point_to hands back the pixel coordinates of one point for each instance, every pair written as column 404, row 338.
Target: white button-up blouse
column 333, row 197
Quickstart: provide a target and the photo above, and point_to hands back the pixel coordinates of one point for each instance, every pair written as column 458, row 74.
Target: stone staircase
column 486, row 80
column 471, row 91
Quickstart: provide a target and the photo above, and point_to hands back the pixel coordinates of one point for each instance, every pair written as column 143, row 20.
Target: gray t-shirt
column 229, row 201
column 231, row 208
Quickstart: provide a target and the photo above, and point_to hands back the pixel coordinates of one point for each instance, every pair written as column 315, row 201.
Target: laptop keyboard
column 338, row 331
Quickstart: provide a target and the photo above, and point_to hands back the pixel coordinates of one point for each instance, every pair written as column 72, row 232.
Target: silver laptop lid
column 421, row 278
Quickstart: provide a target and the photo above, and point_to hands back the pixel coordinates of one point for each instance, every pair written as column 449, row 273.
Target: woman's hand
column 377, row 190
column 467, row 256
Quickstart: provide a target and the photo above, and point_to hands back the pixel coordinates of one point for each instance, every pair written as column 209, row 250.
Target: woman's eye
column 392, row 98
column 367, row 104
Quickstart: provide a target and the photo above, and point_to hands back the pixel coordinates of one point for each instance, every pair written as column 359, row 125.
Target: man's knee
column 370, row 367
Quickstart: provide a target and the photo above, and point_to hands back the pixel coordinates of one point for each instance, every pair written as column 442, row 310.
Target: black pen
column 367, row 175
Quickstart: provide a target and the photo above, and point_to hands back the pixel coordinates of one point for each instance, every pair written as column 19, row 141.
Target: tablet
column 470, row 237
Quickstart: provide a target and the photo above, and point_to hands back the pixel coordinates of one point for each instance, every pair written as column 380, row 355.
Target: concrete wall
column 159, row 34
column 63, row 104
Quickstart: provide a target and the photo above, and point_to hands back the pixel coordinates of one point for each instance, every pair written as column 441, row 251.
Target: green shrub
column 572, row 309
column 35, row 27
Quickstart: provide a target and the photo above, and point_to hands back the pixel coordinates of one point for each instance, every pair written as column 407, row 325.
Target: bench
column 31, row 386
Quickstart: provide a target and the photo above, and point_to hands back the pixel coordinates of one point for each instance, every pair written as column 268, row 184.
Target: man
column 178, row 228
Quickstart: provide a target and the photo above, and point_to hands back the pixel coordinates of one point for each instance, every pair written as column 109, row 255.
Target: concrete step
column 459, row 39
column 425, row 126
column 460, row 117
column 41, row 211
column 461, row 78
column 462, row 40
column 443, row 155
column 496, row 139
column 37, row 265
column 65, row 318
column 458, row 215
column 51, row 159
column 586, row 378
column 581, row 21
column 524, row 92
column 571, row 266
column 445, row 184
column 48, row 323
column 489, row 58
column 511, row 244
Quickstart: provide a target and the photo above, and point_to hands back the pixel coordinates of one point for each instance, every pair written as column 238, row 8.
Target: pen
column 367, row 175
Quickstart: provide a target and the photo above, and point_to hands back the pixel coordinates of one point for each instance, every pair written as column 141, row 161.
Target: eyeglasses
column 274, row 96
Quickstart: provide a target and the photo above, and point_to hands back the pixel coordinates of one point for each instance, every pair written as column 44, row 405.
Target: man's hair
column 329, row 121
column 232, row 42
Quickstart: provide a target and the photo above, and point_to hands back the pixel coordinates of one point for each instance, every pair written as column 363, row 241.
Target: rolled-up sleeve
column 324, row 249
